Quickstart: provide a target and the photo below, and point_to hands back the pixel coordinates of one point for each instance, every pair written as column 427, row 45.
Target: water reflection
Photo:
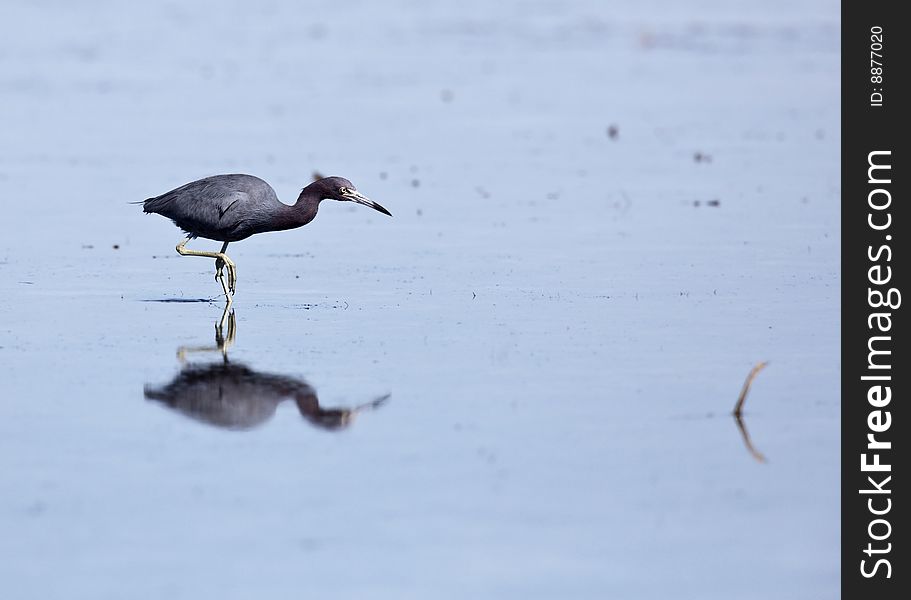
column 748, row 442
column 234, row 396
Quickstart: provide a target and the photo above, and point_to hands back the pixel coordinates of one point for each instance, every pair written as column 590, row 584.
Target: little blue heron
column 230, row 208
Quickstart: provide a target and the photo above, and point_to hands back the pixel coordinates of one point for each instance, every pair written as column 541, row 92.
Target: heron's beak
column 354, row 196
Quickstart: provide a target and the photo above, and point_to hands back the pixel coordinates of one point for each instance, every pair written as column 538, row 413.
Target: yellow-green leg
column 221, row 261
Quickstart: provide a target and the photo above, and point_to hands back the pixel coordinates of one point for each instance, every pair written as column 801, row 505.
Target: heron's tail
column 145, row 204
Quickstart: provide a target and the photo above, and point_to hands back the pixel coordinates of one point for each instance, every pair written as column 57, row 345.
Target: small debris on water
column 738, row 408
column 701, row 157
column 613, row 132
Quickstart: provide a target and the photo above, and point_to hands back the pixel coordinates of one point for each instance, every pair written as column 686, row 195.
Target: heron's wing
column 209, row 205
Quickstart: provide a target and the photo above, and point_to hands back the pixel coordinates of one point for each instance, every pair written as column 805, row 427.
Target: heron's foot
column 223, row 262
column 232, row 274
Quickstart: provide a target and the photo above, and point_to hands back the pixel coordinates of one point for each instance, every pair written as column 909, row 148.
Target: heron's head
column 339, row 188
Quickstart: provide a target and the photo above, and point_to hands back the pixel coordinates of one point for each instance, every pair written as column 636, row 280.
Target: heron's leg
column 219, row 263
column 219, row 257
column 223, row 261
column 219, row 277
column 184, row 251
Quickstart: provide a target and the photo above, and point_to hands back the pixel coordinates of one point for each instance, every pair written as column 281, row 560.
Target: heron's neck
column 304, row 210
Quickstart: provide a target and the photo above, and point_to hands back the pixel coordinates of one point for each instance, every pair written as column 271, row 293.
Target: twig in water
column 738, row 409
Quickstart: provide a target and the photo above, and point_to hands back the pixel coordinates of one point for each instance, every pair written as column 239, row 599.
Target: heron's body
column 230, row 208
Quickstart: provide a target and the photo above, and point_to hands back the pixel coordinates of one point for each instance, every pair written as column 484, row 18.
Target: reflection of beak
column 353, row 196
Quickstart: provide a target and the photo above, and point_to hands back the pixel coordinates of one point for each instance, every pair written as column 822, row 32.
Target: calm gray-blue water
column 517, row 387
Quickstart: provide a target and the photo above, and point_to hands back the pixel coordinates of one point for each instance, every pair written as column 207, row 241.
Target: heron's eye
column 343, row 190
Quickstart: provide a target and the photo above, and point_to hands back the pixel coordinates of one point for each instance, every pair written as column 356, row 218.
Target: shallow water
column 561, row 320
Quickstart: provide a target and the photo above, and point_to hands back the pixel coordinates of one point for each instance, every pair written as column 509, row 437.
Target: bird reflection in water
column 233, row 396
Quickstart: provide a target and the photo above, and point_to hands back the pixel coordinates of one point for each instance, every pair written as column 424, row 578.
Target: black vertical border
column 867, row 128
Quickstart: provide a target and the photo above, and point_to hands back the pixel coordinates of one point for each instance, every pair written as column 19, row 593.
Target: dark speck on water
column 415, row 182
column 317, row 31
column 613, row 132
column 701, row 157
